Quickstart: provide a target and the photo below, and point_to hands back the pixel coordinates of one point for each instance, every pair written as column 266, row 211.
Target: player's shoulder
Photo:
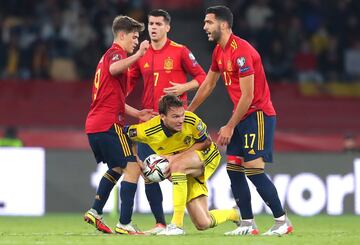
column 191, row 117
column 176, row 45
column 114, row 53
column 239, row 44
column 153, row 122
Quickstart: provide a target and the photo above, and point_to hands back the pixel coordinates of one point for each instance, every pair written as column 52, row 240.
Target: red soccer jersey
column 108, row 94
column 159, row 67
column 240, row 59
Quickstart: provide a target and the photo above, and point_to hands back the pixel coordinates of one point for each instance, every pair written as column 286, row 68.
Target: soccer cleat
column 171, row 230
column 244, row 229
column 93, row 218
column 129, row 229
column 280, row 228
column 156, row 229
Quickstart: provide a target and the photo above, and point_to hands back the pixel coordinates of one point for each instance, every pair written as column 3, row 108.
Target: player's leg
column 254, row 165
column 180, row 166
column 197, row 194
column 239, row 186
column 153, row 193
column 100, row 144
column 255, row 138
column 131, row 171
column 199, row 212
column 127, row 195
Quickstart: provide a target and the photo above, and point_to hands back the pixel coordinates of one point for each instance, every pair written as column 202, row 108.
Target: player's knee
column 117, row 170
column 131, row 175
column 202, row 225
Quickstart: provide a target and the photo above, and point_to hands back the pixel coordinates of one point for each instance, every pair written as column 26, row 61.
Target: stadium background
column 310, row 49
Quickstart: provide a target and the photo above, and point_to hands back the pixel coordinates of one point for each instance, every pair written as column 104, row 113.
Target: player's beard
column 216, row 35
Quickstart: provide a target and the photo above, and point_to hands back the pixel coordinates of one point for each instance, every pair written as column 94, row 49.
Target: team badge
column 168, row 64
column 187, row 140
column 241, row 61
column 229, row 65
column 132, row 132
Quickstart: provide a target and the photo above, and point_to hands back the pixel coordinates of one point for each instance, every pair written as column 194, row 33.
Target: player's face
column 212, row 27
column 174, row 119
column 131, row 40
column 157, row 28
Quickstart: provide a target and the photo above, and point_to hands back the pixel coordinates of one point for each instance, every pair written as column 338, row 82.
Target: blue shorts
column 144, row 150
column 253, row 137
column 112, row 147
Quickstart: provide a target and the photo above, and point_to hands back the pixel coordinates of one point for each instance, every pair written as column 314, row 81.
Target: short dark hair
column 161, row 12
column 168, row 101
column 221, row 12
column 126, row 24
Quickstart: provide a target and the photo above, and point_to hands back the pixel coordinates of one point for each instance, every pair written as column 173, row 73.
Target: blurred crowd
column 304, row 40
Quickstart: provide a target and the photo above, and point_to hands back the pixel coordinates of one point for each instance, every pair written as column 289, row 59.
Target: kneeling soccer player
column 183, row 138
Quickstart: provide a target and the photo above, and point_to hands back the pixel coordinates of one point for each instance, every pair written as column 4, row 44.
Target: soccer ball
column 155, row 166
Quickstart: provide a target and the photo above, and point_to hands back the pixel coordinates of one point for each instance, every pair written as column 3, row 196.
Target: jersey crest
column 187, row 140
column 168, row 64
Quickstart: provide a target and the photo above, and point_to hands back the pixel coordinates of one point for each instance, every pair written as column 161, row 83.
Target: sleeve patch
column 132, row 132
column 241, row 61
column 116, row 57
column 200, row 126
column 244, row 69
column 193, row 59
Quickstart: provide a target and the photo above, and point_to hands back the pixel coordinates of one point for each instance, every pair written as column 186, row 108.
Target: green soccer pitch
column 71, row 229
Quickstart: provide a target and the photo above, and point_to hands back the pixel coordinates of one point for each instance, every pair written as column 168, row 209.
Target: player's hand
column 144, row 45
column 225, row 133
column 177, row 89
column 146, row 114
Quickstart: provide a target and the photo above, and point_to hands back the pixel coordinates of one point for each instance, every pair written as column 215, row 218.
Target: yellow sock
column 179, row 181
column 219, row 216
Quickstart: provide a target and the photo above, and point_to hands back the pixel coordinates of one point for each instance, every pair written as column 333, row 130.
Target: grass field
column 71, row 229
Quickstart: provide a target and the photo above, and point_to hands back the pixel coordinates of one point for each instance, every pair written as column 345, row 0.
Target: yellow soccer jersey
column 157, row 136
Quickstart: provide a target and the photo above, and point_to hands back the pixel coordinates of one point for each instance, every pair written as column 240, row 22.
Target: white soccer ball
column 155, row 167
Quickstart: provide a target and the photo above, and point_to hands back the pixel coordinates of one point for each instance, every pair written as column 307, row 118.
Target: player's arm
column 142, row 115
column 200, row 145
column 180, row 88
column 200, row 135
column 191, row 67
column 247, row 95
column 205, row 90
column 121, row 65
column 136, row 132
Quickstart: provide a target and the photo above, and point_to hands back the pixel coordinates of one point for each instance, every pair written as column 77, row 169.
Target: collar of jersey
column 165, row 129
column 159, row 50
column 115, row 45
column 229, row 41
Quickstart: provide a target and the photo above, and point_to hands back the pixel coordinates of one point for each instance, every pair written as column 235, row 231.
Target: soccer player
column 164, row 69
column 105, row 121
column 249, row 132
column 182, row 137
